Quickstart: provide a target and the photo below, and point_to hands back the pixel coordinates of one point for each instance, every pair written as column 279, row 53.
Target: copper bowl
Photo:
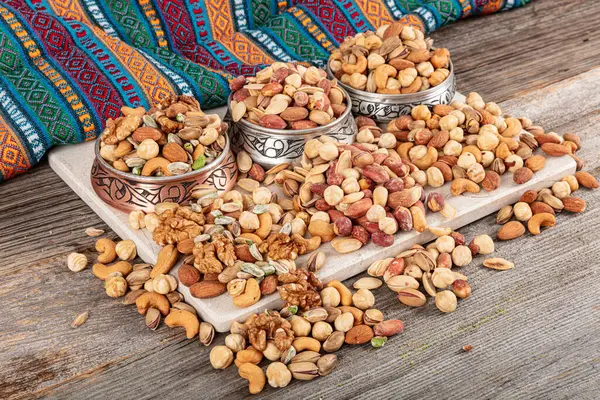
column 128, row 192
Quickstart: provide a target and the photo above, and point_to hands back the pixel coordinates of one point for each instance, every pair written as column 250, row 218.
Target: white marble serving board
column 73, row 165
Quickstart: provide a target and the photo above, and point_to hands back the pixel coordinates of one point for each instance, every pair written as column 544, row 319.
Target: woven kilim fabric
column 68, row 65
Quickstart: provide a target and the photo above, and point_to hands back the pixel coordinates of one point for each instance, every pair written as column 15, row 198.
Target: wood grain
column 533, row 329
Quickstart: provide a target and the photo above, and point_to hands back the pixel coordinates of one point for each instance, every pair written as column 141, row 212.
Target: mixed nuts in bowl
column 389, row 71
column 274, row 113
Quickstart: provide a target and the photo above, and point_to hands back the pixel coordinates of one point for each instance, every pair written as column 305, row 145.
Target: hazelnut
column 522, row 211
column 261, row 195
column 115, row 285
column 560, row 189
column 321, row 330
column 147, row 149
column 272, row 352
column 333, row 195
column 330, row 297
column 221, row 357
column 484, row 243
column 461, row 256
column 466, row 159
column 445, row 244
column 363, row 299
column 235, row 342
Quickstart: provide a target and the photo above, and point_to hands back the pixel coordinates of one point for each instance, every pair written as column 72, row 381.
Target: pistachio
column 221, row 357
column 334, row 342
column 152, row 318
column 378, row 341
column 326, row 364
column 367, row 283
column 207, row 333
column 287, row 355
column 317, row 314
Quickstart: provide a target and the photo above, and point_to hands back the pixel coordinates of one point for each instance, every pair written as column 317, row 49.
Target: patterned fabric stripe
column 183, row 86
column 33, row 90
column 262, row 38
column 238, row 43
column 50, row 72
column 396, row 11
column 126, row 18
column 70, row 9
column 203, row 34
column 321, row 37
column 376, row 12
column 428, row 17
column 177, row 21
column 155, row 86
column 99, row 17
column 25, row 125
column 150, row 13
column 354, row 15
column 13, row 154
column 130, row 90
column 325, row 14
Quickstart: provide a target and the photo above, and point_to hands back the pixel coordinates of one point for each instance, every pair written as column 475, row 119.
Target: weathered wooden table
column 534, row 330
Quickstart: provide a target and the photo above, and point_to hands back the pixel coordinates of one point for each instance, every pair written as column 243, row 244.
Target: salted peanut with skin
column 184, row 319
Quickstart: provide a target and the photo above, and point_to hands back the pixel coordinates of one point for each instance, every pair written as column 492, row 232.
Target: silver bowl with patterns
column 385, row 107
column 271, row 147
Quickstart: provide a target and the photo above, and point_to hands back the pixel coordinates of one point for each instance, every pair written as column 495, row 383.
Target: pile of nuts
column 172, row 138
column 538, row 209
column 431, row 268
column 150, row 288
column 301, row 346
column 287, row 96
column 396, row 59
column 470, row 144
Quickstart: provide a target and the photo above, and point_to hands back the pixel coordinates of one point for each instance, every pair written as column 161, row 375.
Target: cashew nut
column 403, row 149
column 266, row 222
column 167, row 257
column 473, row 150
column 102, row 271
column 123, row 148
column 107, row 249
column 154, row 300
column 514, row 127
column 345, row 293
column 255, row 377
column 249, row 355
column 539, row 220
column 252, row 236
column 251, row 294
column 356, row 313
column 461, row 185
column 428, row 159
column 360, row 66
column 512, row 143
column 306, row 343
column 183, row 318
column 382, row 73
column 156, row 164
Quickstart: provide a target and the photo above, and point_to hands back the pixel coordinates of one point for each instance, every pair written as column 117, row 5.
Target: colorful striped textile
column 68, row 65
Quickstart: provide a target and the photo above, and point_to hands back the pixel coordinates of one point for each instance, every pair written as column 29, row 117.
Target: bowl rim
column 163, row 179
column 398, row 97
column 297, row 132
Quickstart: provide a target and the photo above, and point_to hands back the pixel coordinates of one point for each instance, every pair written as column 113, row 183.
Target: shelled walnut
column 178, row 224
column 269, row 325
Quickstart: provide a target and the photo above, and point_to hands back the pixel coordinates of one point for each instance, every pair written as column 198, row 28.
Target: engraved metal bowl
column 385, row 107
column 271, row 147
column 128, row 192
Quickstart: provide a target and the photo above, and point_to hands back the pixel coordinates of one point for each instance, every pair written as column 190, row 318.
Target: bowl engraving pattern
column 270, row 150
column 387, row 112
column 128, row 195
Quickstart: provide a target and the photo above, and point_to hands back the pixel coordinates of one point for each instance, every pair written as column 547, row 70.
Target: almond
column 294, row 114
column 491, row 181
column 268, row 285
column 185, row 246
column 207, row 289
column 571, row 137
column 242, row 252
column 538, row 207
column 555, row 150
column 188, row 275
column 146, row 132
column 535, row 163
column 174, row 152
column 545, row 138
column 528, row 197
column 439, row 139
column 586, row 179
column 574, row 204
column 522, row 175
column 511, row 230
column 359, row 334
